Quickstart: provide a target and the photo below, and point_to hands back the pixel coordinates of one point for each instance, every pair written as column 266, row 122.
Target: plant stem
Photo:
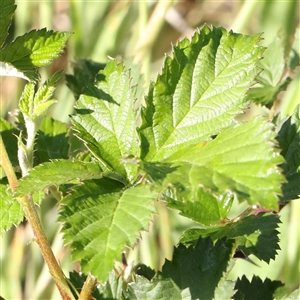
column 7, row 167
column 87, row 288
column 39, row 234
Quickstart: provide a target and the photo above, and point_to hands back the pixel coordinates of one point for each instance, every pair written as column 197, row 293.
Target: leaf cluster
column 185, row 147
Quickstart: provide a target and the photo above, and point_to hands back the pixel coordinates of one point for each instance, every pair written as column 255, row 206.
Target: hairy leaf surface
column 105, row 120
column 200, row 91
column 7, row 9
column 57, row 172
column 101, row 219
column 241, row 159
column 256, row 235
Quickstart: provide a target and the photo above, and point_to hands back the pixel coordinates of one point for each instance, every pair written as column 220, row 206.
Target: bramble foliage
column 185, row 147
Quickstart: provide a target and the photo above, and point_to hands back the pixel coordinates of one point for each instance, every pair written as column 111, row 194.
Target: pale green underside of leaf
column 101, row 219
column 7, row 9
column 160, row 289
column 106, row 120
column 57, row 172
column 11, row 213
column 36, row 48
column 255, row 235
column 200, row 91
column 7, row 69
column 241, row 159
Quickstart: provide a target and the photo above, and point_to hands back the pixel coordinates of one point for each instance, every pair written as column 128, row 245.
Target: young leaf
column 206, row 209
column 194, row 270
column 256, row 289
column 11, row 213
column 256, row 235
column 52, row 140
column 200, row 91
column 101, row 218
column 7, row 9
column 270, row 82
column 241, row 159
column 106, row 121
column 57, row 172
column 35, row 105
column 36, row 48
column 289, row 141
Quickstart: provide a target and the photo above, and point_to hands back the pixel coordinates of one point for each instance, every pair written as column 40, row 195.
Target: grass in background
column 144, row 32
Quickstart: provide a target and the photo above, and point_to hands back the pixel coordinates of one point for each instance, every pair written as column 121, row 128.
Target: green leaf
column 113, row 288
column 11, row 213
column 289, row 141
column 199, row 268
column 57, row 172
column 77, row 280
column 52, row 140
column 206, row 209
column 241, row 159
column 9, row 135
column 106, row 120
column 7, row 69
column 255, row 235
column 200, row 91
column 294, row 57
column 100, row 219
column 256, row 289
column 36, row 48
column 224, row 290
column 7, row 9
column 35, row 105
column 270, row 82
column 159, row 289
column 85, row 72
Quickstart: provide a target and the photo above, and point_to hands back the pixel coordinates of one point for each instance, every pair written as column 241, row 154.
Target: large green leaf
column 57, row 172
column 36, row 48
column 105, row 120
column 270, row 81
column 193, row 273
column 256, row 288
column 100, row 219
column 255, row 235
column 200, row 91
column 289, row 141
column 11, row 212
column 7, row 9
column 241, row 159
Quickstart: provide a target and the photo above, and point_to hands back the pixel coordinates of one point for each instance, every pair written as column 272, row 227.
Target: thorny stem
column 39, row 234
